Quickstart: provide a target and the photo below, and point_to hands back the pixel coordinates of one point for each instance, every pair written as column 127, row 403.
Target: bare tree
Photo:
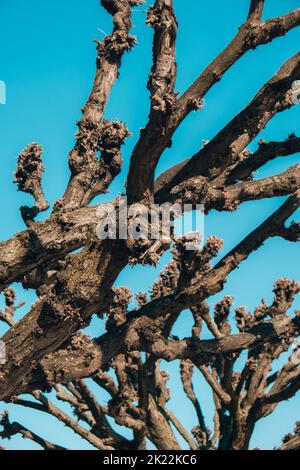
column 46, row 349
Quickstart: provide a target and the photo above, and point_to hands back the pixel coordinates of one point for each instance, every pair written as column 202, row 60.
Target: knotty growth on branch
column 73, row 272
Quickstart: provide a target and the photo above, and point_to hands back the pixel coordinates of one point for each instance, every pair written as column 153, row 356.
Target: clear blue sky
column 48, row 63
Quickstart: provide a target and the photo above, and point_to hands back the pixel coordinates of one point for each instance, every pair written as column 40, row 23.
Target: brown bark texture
column 73, row 271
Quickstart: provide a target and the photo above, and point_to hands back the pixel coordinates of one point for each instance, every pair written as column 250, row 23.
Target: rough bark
column 47, row 349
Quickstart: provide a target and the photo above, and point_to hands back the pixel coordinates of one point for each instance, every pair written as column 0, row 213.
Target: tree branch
column 248, row 37
column 226, row 148
column 161, row 86
column 10, row 307
column 264, row 154
column 91, row 176
column 292, row 441
column 45, row 242
column 198, row 191
column 10, row 429
column 256, row 10
column 28, row 177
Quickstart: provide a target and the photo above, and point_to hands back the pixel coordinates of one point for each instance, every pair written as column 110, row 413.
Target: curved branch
column 49, row 370
column 89, row 175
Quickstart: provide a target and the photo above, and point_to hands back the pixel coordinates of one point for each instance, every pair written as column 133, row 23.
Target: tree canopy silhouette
column 73, row 271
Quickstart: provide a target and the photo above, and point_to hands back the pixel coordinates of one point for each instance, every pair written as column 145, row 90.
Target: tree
column 46, row 350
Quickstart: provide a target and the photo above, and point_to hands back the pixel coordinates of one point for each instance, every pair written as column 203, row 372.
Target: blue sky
column 48, row 63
